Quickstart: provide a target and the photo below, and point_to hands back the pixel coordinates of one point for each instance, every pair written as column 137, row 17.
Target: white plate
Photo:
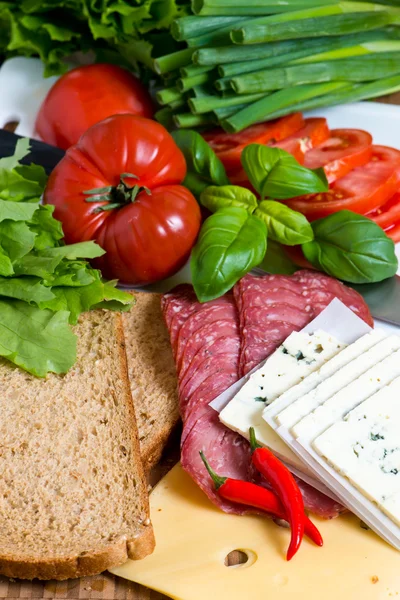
column 23, row 89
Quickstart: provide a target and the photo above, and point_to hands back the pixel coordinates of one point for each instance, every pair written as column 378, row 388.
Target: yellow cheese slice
column 194, row 537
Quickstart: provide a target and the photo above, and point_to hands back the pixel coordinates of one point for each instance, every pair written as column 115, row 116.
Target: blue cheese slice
column 298, row 356
column 293, row 404
column 365, row 448
column 353, row 394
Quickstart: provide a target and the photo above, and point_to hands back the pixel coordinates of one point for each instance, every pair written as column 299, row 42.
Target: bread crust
column 115, row 553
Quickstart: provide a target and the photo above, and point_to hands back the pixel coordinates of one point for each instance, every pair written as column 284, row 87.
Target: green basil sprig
column 230, row 244
column 351, row 247
column 203, row 166
column 216, row 197
column 274, row 173
column 284, row 225
column 276, row 261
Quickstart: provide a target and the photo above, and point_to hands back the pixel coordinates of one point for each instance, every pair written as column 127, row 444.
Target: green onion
column 291, row 50
column 188, row 27
column 219, row 37
column 372, row 47
column 351, row 93
column 168, row 95
column 227, row 111
column 170, row 62
column 223, row 84
column 235, row 54
column 206, row 104
column 189, row 120
column 337, row 19
column 261, row 109
column 251, row 7
column 354, row 69
column 165, row 117
column 177, row 103
column 191, row 70
column 187, row 83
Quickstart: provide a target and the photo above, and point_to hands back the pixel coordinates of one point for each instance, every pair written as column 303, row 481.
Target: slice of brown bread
column 152, row 375
column 73, row 498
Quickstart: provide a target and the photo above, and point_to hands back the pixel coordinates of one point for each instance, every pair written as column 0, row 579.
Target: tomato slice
column 362, row 190
column 394, row 232
column 342, row 152
column 229, row 146
column 388, row 214
column 314, row 132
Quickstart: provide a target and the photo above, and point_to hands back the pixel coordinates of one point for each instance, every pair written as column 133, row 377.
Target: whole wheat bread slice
column 152, row 375
column 73, row 498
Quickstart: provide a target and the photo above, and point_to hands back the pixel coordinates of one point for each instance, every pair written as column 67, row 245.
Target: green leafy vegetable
column 44, row 284
column 230, row 244
column 37, row 340
column 214, row 198
column 284, row 225
column 351, row 247
column 203, row 166
column 277, row 261
column 275, row 173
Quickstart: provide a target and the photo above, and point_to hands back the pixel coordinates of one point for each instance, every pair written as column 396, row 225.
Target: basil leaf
column 231, row 243
column 214, row 198
column 276, row 174
column 277, row 261
column 203, row 166
column 351, row 247
column 284, row 225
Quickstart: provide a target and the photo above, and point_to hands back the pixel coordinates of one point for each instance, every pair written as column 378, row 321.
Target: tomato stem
column 116, row 196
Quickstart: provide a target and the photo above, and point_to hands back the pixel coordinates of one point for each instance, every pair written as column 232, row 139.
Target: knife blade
column 41, row 154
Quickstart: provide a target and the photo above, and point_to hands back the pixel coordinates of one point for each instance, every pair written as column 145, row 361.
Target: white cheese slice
column 275, row 414
column 338, row 404
column 365, row 448
column 299, row 355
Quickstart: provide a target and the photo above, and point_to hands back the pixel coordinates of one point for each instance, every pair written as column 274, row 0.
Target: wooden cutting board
column 107, row 586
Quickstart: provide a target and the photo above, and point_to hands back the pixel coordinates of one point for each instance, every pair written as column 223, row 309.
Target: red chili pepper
column 250, row 494
column 286, row 488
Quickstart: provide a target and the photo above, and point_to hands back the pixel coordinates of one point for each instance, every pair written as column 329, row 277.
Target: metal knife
column 41, row 153
column 382, row 298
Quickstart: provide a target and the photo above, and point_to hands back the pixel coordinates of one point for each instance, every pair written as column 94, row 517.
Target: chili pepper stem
column 217, row 479
column 253, row 440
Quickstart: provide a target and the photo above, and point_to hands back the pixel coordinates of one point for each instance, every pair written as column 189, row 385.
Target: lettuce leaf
column 44, row 284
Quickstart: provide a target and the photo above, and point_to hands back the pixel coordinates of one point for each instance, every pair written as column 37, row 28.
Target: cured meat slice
column 221, row 356
column 272, row 306
column 204, row 338
column 201, row 398
column 207, row 342
column 220, row 309
column 227, row 452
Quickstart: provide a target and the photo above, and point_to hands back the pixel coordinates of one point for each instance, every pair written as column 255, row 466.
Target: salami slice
column 203, row 339
column 207, row 344
column 272, row 306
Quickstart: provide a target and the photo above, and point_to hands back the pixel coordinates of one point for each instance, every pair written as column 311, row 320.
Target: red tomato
column 341, row 153
column 150, row 232
column 85, row 96
column 394, row 232
column 229, row 146
column 314, row 132
column 362, row 190
column 388, row 214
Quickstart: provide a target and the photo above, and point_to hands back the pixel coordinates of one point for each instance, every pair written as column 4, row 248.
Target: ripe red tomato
column 85, row 96
column 229, row 146
column 120, row 186
column 314, row 132
column 362, row 190
column 345, row 150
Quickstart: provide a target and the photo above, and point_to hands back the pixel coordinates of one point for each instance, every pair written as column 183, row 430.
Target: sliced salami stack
column 216, row 343
column 273, row 306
